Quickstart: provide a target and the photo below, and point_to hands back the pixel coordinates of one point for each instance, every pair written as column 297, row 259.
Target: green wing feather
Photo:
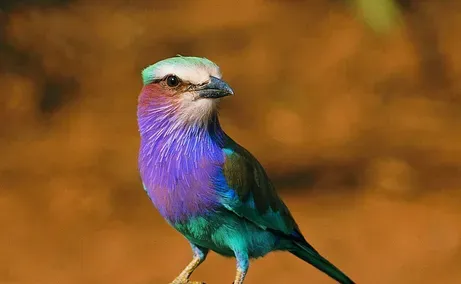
column 256, row 199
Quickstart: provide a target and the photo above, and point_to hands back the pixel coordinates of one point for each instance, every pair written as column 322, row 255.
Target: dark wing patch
column 238, row 176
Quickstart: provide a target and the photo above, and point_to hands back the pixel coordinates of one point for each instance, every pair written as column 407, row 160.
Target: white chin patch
column 195, row 110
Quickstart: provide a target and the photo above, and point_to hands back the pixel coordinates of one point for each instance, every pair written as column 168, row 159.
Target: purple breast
column 179, row 179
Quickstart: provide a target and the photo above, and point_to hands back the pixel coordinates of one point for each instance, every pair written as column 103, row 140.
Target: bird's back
column 260, row 203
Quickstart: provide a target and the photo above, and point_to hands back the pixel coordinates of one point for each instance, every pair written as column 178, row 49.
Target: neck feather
column 164, row 132
column 178, row 160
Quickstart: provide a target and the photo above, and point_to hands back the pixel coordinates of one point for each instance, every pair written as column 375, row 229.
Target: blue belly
column 224, row 232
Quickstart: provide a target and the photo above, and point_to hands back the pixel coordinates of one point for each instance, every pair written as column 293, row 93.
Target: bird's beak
column 214, row 89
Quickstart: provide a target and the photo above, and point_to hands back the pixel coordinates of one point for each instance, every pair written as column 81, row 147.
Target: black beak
column 216, row 88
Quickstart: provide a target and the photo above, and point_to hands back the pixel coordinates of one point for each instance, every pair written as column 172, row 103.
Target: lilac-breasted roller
column 206, row 186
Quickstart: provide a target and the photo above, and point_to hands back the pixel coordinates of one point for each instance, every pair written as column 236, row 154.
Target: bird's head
column 188, row 88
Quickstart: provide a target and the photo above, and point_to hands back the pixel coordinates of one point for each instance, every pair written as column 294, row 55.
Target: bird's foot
column 184, row 280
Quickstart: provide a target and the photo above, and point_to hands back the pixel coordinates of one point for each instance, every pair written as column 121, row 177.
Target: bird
column 204, row 184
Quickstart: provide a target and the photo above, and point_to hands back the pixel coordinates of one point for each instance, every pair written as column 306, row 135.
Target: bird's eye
column 172, row 81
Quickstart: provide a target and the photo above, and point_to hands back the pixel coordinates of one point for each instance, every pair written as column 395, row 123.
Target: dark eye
column 172, row 81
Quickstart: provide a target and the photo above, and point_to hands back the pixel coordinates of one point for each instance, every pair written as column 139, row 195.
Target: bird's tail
column 305, row 252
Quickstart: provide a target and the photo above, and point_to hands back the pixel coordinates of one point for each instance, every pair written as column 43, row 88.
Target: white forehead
column 191, row 69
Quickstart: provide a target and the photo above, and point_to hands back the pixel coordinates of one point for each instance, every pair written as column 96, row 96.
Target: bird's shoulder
column 255, row 197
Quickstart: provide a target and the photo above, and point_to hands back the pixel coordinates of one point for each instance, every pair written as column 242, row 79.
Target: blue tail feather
column 305, row 252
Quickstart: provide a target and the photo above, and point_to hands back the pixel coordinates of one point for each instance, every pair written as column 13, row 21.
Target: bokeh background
column 352, row 106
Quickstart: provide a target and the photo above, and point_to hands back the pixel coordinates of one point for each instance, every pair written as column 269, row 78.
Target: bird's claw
column 186, row 281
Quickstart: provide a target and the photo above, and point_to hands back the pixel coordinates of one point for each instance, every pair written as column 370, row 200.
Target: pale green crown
column 189, row 68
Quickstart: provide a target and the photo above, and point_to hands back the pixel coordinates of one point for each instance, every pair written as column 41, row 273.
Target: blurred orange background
column 359, row 127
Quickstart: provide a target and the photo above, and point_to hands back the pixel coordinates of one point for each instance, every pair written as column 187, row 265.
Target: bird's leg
column 242, row 267
column 200, row 254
